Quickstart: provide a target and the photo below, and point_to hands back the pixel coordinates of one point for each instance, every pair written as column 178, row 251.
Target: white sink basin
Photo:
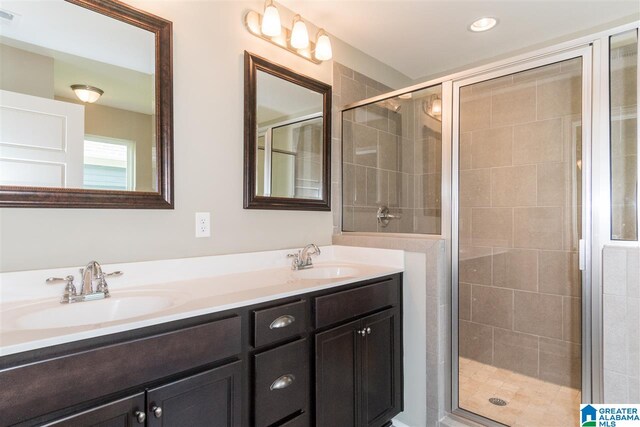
column 326, row 272
column 118, row 307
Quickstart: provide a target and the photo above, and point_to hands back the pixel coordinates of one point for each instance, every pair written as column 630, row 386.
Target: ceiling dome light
column 86, row 93
column 271, row 20
column 299, row 34
column 483, row 24
column 323, row 47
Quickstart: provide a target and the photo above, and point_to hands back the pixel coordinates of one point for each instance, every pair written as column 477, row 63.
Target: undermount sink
column 326, row 272
column 117, row 307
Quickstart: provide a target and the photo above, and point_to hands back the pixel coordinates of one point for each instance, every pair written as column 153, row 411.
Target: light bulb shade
column 271, row 21
column 86, row 93
column 436, row 107
column 323, row 47
column 299, row 34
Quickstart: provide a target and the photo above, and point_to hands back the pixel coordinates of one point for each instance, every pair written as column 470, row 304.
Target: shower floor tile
column 530, row 402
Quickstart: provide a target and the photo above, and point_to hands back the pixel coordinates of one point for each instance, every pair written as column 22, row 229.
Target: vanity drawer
column 27, row 391
column 281, row 382
column 278, row 323
column 340, row 306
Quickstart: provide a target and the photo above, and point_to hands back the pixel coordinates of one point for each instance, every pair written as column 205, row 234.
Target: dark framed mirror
column 86, row 96
column 287, row 138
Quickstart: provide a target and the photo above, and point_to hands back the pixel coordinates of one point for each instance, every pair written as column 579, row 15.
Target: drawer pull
column 283, row 382
column 140, row 417
column 282, row 322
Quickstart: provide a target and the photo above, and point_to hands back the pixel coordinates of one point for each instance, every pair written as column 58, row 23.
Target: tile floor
column 531, row 402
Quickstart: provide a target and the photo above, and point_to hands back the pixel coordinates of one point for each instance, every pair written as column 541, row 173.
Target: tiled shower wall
column 391, row 157
column 621, row 313
column 519, row 293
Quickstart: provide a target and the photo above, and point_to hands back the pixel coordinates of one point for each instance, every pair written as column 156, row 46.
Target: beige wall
column 26, row 72
column 209, row 40
column 519, row 279
column 100, row 120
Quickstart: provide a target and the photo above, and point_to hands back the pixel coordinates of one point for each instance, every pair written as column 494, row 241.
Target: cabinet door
column 121, row 413
column 209, row 399
column 381, row 397
column 337, row 377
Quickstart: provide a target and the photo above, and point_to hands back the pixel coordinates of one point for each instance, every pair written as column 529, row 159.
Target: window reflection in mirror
column 50, row 137
column 289, row 139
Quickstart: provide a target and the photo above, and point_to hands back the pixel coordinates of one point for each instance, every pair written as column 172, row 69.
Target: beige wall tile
column 537, row 73
column 475, row 113
column 513, row 186
column 475, row 188
column 364, row 219
column 432, row 189
column 407, row 156
column 476, row 341
column 623, row 180
column 538, row 314
column 560, row 362
column 515, row 269
column 516, row 352
column 347, row 142
column 475, row 265
column 387, row 151
column 537, row 142
column 428, row 221
column 465, row 151
column 377, row 187
column 492, row 306
column 538, row 228
column 554, row 184
column 491, row 148
column 464, row 301
column 365, row 145
column 559, row 273
column 572, row 319
column 377, row 117
column 352, row 91
column 516, row 104
column 624, row 86
column 464, row 226
column 559, row 96
column 492, row 227
column 348, row 184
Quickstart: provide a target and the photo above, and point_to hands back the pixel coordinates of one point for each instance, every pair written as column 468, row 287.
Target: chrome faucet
column 92, row 272
column 302, row 259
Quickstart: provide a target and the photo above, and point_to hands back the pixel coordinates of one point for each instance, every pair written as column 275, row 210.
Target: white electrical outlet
column 203, row 224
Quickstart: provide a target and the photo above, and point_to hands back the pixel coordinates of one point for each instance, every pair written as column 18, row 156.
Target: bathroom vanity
column 329, row 354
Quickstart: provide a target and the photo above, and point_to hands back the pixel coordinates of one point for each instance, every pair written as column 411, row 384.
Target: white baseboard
column 397, row 423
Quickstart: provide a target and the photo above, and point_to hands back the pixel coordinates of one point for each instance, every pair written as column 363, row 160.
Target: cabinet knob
column 282, row 321
column 368, row 330
column 362, row 332
column 283, row 382
column 157, row 411
column 140, row 417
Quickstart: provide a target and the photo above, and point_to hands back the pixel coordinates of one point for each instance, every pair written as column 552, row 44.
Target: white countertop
column 236, row 284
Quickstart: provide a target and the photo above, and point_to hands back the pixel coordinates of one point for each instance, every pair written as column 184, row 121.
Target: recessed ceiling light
column 483, row 24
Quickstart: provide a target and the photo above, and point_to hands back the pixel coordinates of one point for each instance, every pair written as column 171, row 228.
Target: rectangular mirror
column 287, row 138
column 85, row 105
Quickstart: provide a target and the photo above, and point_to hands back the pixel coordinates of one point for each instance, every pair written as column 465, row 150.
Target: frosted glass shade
column 86, row 93
column 436, row 107
column 271, row 21
column 299, row 34
column 323, row 47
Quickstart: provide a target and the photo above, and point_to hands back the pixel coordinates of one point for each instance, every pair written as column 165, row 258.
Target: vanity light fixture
column 299, row 34
column 432, row 107
column 483, row 24
column 271, row 20
column 86, row 93
column 296, row 40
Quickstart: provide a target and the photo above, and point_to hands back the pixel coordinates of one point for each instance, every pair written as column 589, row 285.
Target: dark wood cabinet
column 209, row 399
column 121, row 413
column 329, row 358
column 359, row 372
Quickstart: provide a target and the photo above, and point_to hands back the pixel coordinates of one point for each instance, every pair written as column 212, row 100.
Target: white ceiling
column 280, row 99
column 426, row 37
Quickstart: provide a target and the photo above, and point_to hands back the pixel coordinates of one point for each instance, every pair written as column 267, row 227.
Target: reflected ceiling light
column 299, row 34
column 271, row 20
column 296, row 40
column 86, row 93
column 483, row 24
column 323, row 47
column 432, row 107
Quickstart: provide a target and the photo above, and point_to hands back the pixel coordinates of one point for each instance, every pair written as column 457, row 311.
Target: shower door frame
column 589, row 379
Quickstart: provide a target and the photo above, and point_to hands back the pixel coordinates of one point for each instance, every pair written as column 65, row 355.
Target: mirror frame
column 45, row 197
column 253, row 64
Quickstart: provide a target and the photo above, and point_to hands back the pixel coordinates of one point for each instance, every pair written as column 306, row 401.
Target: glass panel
column 392, row 162
column 624, row 135
column 519, row 226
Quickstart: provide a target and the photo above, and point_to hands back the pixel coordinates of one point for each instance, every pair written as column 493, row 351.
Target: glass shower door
column 519, row 226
